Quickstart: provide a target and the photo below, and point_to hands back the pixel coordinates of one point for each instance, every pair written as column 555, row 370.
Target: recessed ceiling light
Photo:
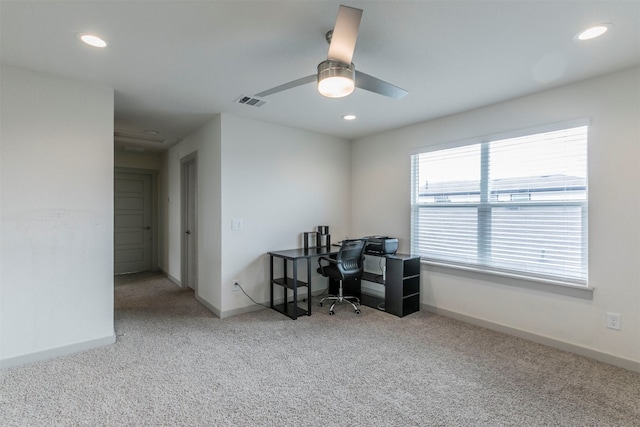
column 151, row 132
column 91, row 40
column 349, row 117
column 593, row 32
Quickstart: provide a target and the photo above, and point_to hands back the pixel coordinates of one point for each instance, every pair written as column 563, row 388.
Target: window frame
column 486, row 204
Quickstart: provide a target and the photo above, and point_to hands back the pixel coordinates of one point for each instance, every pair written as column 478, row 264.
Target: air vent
column 128, row 136
column 252, row 101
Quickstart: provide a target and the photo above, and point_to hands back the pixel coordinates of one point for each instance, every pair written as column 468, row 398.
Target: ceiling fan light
column 335, row 79
column 336, row 87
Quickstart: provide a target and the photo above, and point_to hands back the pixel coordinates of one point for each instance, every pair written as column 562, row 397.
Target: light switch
column 236, row 224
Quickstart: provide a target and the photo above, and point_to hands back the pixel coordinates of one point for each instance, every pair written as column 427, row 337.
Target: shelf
column 287, row 282
column 372, row 277
column 410, row 305
column 411, row 285
column 293, row 310
column 412, row 267
column 372, row 301
column 402, row 291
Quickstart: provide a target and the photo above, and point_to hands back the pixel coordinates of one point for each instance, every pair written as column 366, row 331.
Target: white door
column 132, row 223
column 189, row 224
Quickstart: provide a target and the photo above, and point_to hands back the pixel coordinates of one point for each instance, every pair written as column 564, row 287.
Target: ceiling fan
column 337, row 76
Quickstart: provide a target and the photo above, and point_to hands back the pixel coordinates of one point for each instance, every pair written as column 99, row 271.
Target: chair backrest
column 350, row 256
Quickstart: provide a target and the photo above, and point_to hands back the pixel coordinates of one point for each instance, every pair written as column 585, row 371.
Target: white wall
column 381, row 162
column 56, row 259
column 206, row 143
column 279, row 181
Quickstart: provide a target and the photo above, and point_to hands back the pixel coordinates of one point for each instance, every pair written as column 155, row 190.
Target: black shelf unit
column 401, row 284
column 290, row 306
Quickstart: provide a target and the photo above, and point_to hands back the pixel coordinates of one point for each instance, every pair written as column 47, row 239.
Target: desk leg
column 271, row 280
column 294, row 315
column 284, row 288
column 308, row 286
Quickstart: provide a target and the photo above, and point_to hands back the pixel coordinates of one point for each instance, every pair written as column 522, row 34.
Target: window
column 514, row 204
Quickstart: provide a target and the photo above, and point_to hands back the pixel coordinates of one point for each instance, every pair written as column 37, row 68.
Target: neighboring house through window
column 513, row 204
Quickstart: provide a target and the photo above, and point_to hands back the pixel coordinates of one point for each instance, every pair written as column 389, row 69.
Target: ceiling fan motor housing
column 335, row 79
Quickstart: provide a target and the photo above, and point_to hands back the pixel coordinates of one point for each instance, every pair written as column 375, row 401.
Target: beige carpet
column 175, row 364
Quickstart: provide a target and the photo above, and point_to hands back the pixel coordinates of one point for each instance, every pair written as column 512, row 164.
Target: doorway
column 189, row 204
column 134, row 223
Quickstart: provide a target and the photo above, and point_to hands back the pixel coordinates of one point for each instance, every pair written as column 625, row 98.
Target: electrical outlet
column 613, row 321
column 236, row 285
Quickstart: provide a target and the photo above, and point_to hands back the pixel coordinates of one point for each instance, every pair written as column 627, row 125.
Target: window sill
column 509, row 279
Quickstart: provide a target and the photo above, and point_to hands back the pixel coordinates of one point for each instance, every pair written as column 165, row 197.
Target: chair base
column 341, row 299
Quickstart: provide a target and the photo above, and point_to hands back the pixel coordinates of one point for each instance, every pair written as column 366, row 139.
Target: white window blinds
column 515, row 205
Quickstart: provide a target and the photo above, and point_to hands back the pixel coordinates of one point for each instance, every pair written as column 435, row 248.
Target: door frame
column 153, row 174
column 184, row 261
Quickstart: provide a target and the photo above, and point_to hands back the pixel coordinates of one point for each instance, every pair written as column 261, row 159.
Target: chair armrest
column 327, row 259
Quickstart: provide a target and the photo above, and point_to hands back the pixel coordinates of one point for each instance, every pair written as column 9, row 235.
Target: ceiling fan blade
column 345, row 34
column 290, row 85
column 372, row 84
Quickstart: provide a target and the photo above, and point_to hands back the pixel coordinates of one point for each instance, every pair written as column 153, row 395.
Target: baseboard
column 170, row 277
column 241, row 310
column 57, row 352
column 229, row 313
column 621, row 362
column 210, row 307
column 250, row 308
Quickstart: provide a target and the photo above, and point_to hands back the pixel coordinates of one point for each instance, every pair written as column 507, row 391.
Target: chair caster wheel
column 331, row 313
column 357, row 311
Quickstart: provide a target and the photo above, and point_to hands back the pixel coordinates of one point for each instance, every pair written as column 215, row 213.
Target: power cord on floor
column 324, row 292
column 258, row 303
column 252, row 300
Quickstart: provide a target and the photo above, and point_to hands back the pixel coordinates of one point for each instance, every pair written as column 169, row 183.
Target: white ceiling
column 174, row 64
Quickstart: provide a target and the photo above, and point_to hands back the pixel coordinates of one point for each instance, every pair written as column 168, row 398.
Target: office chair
column 348, row 264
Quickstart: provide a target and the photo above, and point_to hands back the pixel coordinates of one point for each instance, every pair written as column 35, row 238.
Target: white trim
column 611, row 359
column 514, row 133
column 186, row 162
column 242, row 310
column 248, row 308
column 230, row 313
column 57, row 352
column 574, row 277
column 216, row 312
column 171, row 278
column 511, row 279
column 209, row 307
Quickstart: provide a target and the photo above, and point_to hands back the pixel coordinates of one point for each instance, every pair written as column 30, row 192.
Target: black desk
column 402, row 283
column 291, row 308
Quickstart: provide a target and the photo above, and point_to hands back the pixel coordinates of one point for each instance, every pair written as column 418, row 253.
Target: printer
column 381, row 245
